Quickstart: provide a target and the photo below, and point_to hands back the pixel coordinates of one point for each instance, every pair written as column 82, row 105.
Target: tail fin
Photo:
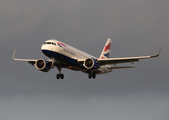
column 106, row 50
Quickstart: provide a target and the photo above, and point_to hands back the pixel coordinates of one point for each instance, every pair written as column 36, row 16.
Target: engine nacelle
column 43, row 65
column 91, row 63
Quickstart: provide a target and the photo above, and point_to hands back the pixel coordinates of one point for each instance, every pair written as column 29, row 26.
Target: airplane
column 65, row 56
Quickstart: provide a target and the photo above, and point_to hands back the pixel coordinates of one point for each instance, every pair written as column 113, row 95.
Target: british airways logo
column 107, row 55
column 107, row 47
column 61, row 44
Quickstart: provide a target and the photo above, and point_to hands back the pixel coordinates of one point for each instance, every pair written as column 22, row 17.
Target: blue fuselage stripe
column 65, row 60
column 62, row 58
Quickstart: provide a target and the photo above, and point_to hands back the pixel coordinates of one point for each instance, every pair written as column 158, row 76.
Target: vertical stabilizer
column 106, row 50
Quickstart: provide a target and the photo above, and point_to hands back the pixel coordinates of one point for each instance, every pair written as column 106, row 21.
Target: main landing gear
column 92, row 74
column 60, row 75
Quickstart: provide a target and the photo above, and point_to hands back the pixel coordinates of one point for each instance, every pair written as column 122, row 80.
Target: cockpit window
column 50, row 43
column 54, row 43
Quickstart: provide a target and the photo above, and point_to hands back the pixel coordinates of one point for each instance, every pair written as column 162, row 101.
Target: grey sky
column 136, row 28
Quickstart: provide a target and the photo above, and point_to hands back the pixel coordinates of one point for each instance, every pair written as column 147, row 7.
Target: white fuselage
column 65, row 56
column 68, row 54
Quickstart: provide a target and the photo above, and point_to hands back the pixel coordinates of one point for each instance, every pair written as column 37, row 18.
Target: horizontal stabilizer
column 121, row 67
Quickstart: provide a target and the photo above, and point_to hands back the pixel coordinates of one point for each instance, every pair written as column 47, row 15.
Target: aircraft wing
column 124, row 60
column 31, row 61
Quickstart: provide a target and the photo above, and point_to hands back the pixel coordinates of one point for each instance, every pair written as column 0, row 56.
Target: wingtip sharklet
column 13, row 56
column 159, row 51
column 157, row 54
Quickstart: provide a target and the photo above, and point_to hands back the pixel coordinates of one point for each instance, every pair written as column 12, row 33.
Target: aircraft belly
column 67, row 61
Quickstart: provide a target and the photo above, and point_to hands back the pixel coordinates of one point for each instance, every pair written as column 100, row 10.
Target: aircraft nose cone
column 43, row 47
column 46, row 47
column 45, row 50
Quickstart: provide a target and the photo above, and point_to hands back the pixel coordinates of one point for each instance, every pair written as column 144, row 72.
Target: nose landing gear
column 58, row 76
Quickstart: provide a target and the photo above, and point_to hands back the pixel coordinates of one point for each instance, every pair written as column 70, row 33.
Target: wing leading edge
column 125, row 59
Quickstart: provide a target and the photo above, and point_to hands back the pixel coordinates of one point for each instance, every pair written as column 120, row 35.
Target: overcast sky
column 137, row 27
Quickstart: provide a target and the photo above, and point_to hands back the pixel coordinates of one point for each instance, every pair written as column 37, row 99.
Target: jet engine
column 91, row 63
column 43, row 65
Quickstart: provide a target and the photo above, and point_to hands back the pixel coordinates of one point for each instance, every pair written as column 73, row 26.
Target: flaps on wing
column 31, row 62
column 125, row 59
column 116, row 61
column 121, row 67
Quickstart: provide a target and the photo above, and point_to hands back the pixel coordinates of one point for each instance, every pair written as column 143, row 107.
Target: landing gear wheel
column 61, row 76
column 57, row 76
column 94, row 76
column 89, row 76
